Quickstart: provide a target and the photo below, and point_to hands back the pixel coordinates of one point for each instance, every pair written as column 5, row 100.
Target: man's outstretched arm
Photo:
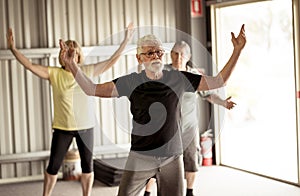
column 107, row 89
column 213, row 82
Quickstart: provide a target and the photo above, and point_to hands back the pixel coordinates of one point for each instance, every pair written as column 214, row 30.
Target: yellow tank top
column 73, row 109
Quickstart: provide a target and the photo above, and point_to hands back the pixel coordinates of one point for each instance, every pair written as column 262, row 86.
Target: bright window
column 260, row 134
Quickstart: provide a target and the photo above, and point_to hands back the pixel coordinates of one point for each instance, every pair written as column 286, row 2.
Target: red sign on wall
column 196, row 8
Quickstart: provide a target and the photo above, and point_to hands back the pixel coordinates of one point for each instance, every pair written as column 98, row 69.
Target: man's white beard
column 154, row 66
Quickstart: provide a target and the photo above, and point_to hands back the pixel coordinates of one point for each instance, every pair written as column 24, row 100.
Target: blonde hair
column 147, row 40
column 77, row 48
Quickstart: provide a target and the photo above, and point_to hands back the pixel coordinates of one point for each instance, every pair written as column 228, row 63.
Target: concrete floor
column 211, row 181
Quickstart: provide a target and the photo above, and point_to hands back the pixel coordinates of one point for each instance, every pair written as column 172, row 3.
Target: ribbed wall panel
column 26, row 100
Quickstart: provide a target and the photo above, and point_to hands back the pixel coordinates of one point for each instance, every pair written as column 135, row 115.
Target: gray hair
column 147, row 40
column 183, row 45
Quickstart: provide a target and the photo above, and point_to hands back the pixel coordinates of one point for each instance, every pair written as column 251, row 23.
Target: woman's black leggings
column 61, row 142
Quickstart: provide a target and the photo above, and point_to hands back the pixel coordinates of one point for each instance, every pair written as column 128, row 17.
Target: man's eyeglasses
column 151, row 54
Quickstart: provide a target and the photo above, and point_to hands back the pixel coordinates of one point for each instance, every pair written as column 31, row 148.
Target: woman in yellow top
column 72, row 109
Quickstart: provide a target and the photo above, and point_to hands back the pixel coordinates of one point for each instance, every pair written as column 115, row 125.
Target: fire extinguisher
column 206, row 147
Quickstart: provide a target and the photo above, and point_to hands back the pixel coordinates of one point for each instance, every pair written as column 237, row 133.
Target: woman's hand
column 129, row 31
column 228, row 103
column 10, row 39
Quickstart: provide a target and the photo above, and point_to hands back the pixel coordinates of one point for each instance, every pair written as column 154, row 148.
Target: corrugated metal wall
column 26, row 103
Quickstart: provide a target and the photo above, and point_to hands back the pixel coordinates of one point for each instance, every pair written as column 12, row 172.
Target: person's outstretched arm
column 39, row 70
column 213, row 82
column 216, row 99
column 103, row 66
column 107, row 89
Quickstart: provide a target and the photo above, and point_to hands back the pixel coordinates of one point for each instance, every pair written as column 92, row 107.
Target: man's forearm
column 227, row 70
column 85, row 83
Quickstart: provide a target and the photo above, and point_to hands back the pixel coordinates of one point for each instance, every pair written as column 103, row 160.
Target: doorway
column 260, row 134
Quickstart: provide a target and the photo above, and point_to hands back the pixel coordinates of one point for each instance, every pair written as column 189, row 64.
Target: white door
column 260, row 134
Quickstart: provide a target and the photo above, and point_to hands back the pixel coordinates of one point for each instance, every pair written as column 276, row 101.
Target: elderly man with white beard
column 154, row 96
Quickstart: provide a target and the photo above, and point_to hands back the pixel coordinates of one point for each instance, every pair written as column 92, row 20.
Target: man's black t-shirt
column 155, row 106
